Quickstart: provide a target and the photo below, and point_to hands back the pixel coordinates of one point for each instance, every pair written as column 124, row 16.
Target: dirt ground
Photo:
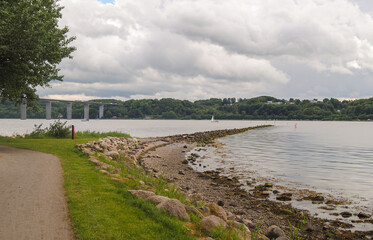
column 32, row 198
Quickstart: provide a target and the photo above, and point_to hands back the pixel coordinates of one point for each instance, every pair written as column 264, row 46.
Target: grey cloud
column 197, row 49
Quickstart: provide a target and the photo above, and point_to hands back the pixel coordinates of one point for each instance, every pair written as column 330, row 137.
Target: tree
column 31, row 47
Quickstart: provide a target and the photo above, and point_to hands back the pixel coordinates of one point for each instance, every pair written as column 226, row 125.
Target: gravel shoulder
column 32, row 203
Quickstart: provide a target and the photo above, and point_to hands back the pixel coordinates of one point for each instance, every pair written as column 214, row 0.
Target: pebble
column 220, row 203
column 181, row 172
column 363, row 215
column 346, row 214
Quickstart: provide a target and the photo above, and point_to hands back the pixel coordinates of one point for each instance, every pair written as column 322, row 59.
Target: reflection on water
column 329, row 157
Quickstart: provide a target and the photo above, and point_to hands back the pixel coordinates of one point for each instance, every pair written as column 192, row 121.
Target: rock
column 142, row 194
column 175, row 208
column 211, row 222
column 88, row 151
column 286, row 211
column 157, row 199
column 194, row 210
column 181, row 172
column 100, row 164
column 220, row 203
column 318, row 198
column 141, row 182
column 113, row 154
column 308, row 227
column 185, row 146
column 217, row 211
column 242, row 230
column 230, row 216
column 274, row 232
column 282, row 238
column 363, row 215
column 185, row 162
column 346, row 214
column 284, row 197
column 248, row 223
column 205, row 211
column 104, row 172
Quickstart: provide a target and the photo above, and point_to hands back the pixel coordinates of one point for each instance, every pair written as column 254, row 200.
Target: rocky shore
column 245, row 210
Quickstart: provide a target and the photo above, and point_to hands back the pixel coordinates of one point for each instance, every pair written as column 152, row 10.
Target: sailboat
column 213, row 120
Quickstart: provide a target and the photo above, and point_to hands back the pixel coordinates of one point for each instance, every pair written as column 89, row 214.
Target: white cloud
column 197, row 49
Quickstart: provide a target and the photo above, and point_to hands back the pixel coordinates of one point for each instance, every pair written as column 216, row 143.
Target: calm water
column 136, row 128
column 329, row 157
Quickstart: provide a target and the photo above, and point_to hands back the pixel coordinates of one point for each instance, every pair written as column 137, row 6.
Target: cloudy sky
column 197, row 49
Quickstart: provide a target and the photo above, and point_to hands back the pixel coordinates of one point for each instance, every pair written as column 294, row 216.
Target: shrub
column 57, row 129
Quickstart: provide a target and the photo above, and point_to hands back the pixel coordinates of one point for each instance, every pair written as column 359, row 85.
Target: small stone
column 248, row 223
column 185, row 146
column 286, row 211
column 185, row 161
column 363, row 215
column 284, row 197
column 230, row 216
column 308, row 227
column 318, row 198
column 181, row 172
column 346, row 214
column 274, row 232
column 141, row 182
column 221, row 203
column 282, row 238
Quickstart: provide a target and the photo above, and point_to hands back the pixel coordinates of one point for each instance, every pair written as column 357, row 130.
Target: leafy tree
column 31, row 47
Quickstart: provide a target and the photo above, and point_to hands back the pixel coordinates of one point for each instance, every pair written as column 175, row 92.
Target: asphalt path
column 32, row 197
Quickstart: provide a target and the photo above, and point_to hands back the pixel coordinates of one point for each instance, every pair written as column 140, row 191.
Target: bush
column 57, row 129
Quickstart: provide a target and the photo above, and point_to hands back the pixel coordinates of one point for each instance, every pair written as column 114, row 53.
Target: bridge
column 69, row 108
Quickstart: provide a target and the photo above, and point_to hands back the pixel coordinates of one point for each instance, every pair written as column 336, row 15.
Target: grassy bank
column 99, row 207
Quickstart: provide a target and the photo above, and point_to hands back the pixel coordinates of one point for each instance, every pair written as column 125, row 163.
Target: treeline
column 263, row 107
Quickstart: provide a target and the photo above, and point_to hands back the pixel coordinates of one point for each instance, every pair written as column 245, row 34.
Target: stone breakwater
column 209, row 136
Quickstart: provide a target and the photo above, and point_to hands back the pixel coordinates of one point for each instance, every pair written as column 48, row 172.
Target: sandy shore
column 170, row 160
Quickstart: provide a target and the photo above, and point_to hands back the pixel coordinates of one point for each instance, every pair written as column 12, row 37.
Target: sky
column 193, row 49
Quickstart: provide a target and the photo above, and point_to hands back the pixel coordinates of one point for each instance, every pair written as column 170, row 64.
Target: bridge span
column 69, row 108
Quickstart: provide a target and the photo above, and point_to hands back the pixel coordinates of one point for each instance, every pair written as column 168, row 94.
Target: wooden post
column 73, row 132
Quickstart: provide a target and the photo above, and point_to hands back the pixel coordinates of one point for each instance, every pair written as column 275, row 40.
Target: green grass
column 99, row 207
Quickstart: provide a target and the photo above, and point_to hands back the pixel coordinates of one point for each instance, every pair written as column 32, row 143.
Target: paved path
column 32, row 200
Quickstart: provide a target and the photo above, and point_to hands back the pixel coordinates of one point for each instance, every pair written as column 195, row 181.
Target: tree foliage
column 31, row 47
column 258, row 108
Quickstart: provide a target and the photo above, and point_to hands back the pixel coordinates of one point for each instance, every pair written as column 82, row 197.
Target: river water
column 329, row 157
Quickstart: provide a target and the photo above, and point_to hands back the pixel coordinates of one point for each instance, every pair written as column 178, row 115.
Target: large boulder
column 157, row 199
column 175, row 208
column 217, row 211
column 145, row 195
column 210, row 222
column 274, row 232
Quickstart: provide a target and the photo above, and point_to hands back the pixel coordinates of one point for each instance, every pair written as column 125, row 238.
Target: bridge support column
column 86, row 111
column 101, row 111
column 48, row 110
column 69, row 110
column 23, row 111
